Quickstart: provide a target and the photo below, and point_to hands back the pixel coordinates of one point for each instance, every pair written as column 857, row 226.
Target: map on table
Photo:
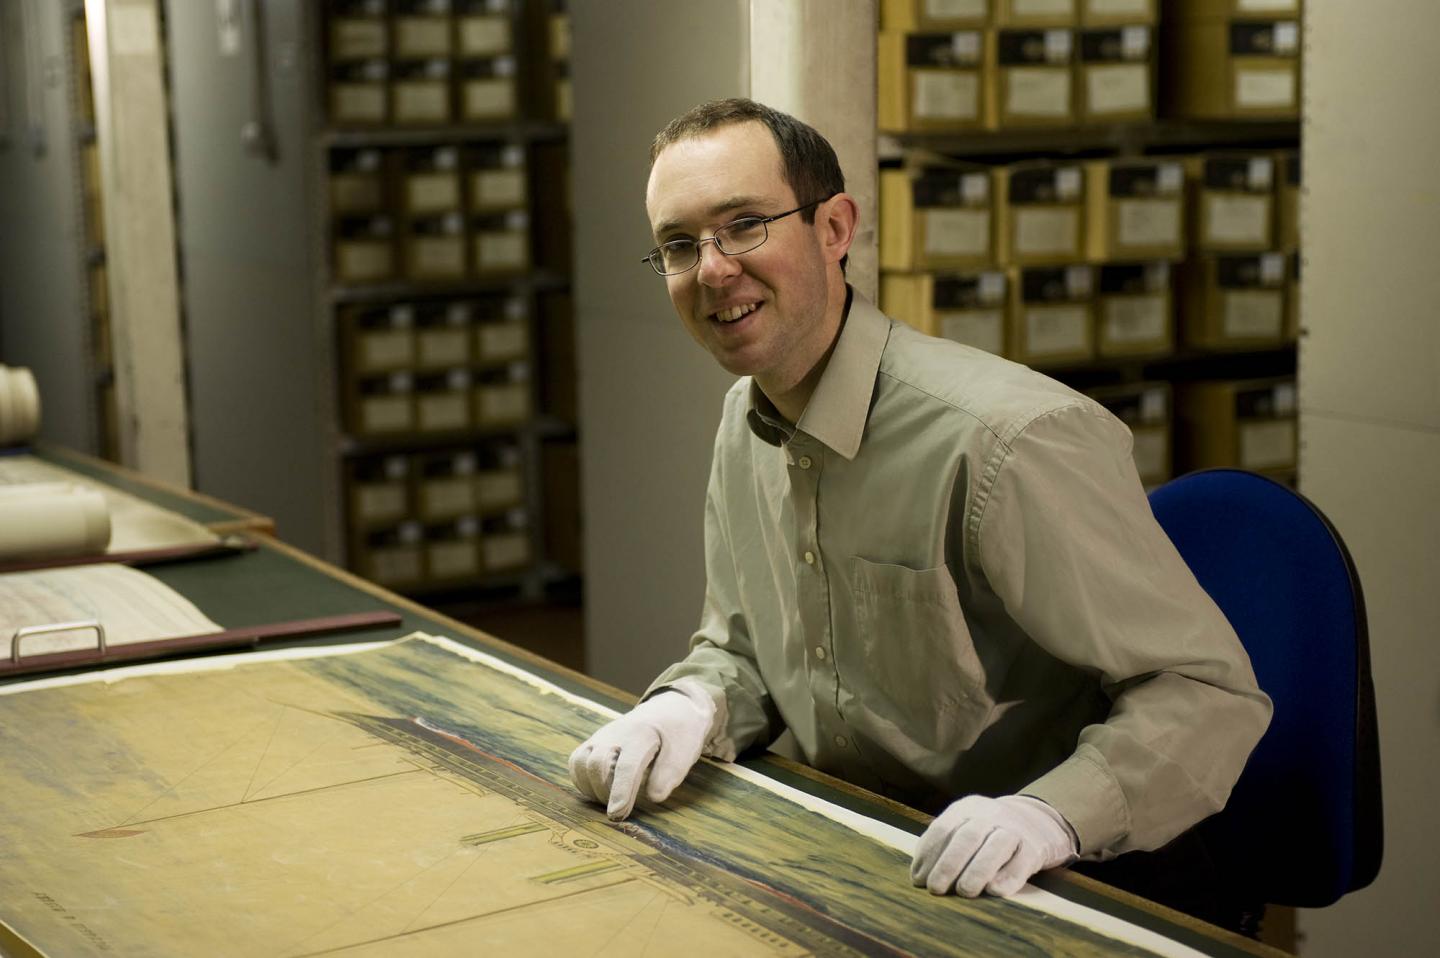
column 411, row 798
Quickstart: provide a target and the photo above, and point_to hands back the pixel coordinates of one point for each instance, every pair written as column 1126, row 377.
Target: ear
column 835, row 223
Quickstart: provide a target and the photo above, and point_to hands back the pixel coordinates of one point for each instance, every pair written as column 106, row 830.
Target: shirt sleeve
column 1067, row 541
column 722, row 651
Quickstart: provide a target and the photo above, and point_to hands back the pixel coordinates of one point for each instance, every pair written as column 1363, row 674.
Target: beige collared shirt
column 946, row 579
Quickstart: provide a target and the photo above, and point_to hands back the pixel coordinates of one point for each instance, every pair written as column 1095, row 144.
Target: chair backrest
column 1303, row 824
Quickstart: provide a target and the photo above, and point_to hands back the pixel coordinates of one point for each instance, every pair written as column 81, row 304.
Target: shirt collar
column 840, row 406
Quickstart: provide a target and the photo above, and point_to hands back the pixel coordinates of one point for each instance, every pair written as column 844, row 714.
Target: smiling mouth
column 734, row 312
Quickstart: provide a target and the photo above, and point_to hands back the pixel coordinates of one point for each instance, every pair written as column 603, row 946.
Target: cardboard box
column 501, row 243
column 500, row 480
column 505, row 541
column 381, row 405
column 1051, row 315
column 420, row 92
column 1034, row 80
column 1145, row 408
column 1041, row 206
column 357, row 181
column 1287, row 206
column 431, row 181
column 502, row 340
column 1232, row 9
column 933, row 81
column 359, row 93
column 435, row 248
column 442, row 335
column 1135, row 209
column 1118, row 13
column 1219, row 67
column 1233, row 207
column 442, row 401
column 364, row 249
column 968, row 308
column 936, row 217
column 392, row 557
column 445, row 485
column 1233, row 300
column 1115, row 80
column 1134, row 310
column 421, row 29
column 378, row 339
column 378, row 492
column 487, row 89
column 358, row 31
column 502, row 395
column 1241, row 424
column 1036, row 13
column 481, row 30
column 496, row 177
column 452, row 550
column 933, row 16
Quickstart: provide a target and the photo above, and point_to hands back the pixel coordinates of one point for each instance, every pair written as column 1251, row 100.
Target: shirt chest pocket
column 921, row 672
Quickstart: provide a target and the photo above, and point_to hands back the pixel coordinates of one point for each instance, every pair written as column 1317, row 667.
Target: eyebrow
column 725, row 206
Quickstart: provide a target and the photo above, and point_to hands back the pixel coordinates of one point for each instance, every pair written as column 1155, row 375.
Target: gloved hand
column 668, row 730
column 991, row 844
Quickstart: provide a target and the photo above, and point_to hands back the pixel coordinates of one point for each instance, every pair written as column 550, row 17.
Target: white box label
column 981, row 328
column 495, row 341
column 1047, row 231
column 956, row 9
column 1267, row 444
column 1252, row 314
column 484, row 36
column 1134, row 320
column 1151, row 452
column 443, row 498
column 956, row 232
column 499, row 187
column 1117, row 88
column 1147, row 223
column 486, row 98
column 1057, row 329
column 432, row 192
column 501, row 250
column 379, row 502
column 446, row 411
column 1037, row 91
column 444, row 347
column 1117, row 8
column 1264, row 88
column 505, row 551
column 449, row 560
column 1237, row 219
column 385, row 414
column 945, row 94
column 386, row 350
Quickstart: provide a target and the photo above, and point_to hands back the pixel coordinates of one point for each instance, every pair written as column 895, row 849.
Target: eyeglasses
column 732, row 239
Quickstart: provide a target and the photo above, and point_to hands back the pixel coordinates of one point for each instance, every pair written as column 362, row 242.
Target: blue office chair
column 1303, row 825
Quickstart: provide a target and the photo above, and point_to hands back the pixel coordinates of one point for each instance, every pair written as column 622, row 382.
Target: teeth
column 735, row 312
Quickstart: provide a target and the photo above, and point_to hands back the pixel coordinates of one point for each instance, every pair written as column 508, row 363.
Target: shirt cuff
column 718, row 743
column 1088, row 797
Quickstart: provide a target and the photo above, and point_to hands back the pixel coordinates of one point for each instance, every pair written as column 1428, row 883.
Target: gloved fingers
column 591, row 767
column 628, row 773
column 994, row 853
column 955, row 849
column 1013, row 875
column 928, row 850
column 671, row 767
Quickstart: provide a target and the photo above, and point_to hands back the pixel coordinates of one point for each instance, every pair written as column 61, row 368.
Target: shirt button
column 809, row 557
column 805, row 462
column 841, row 741
column 820, row 652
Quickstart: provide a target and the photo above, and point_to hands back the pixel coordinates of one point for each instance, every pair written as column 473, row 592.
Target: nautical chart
column 403, row 799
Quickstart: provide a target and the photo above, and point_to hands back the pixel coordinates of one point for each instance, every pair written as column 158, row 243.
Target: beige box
column 1218, row 67
column 1051, row 315
column 452, row 551
column 505, row 542
column 378, row 339
column 1034, row 78
column 420, row 92
column 358, row 30
column 501, row 242
column 430, row 183
column 1036, row 13
column 1241, row 424
column 434, row 248
column 1135, row 209
column 392, row 557
column 364, row 249
column 442, row 401
column 445, row 486
column 502, row 341
column 359, row 93
column 378, row 492
column 1115, row 13
column 417, row 33
column 967, row 308
column 934, row 217
column 496, row 177
column 558, row 36
column 1134, row 310
column 933, row 15
column 502, row 395
column 1145, row 407
column 1041, row 206
column 487, row 89
column 381, row 405
column 502, row 487
column 1233, row 300
column 1287, row 206
column 1115, row 74
column 1233, row 202
column 933, row 81
column 1233, row 9
column 442, row 336
column 357, row 181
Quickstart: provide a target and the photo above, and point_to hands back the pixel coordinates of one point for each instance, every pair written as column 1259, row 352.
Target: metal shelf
column 539, row 427
column 536, row 281
column 1157, row 135
column 527, row 130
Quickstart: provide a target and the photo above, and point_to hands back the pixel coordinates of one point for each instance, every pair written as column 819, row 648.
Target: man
column 935, row 567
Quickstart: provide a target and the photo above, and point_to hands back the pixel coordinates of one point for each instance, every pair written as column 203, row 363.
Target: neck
column 791, row 398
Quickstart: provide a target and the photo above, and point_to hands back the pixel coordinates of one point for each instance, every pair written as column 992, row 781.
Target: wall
column 1370, row 415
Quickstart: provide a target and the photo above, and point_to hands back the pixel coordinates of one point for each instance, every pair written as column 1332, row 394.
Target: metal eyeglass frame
column 653, row 257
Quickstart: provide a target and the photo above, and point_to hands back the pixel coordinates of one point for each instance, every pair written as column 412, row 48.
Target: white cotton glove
column 661, row 737
column 991, row 844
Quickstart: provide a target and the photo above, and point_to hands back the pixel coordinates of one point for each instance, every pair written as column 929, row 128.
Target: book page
column 134, row 523
column 132, row 606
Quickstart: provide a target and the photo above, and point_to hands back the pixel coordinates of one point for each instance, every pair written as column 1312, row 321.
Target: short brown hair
column 807, row 160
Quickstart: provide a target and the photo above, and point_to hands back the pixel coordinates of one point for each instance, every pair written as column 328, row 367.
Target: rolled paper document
column 43, row 520
column 19, row 405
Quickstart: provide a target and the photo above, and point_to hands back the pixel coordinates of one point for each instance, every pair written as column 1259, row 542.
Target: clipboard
column 17, row 663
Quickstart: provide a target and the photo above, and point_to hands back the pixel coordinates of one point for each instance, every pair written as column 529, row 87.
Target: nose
column 715, row 268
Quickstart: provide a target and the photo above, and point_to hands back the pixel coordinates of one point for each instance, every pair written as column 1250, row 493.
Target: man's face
column 700, row 184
